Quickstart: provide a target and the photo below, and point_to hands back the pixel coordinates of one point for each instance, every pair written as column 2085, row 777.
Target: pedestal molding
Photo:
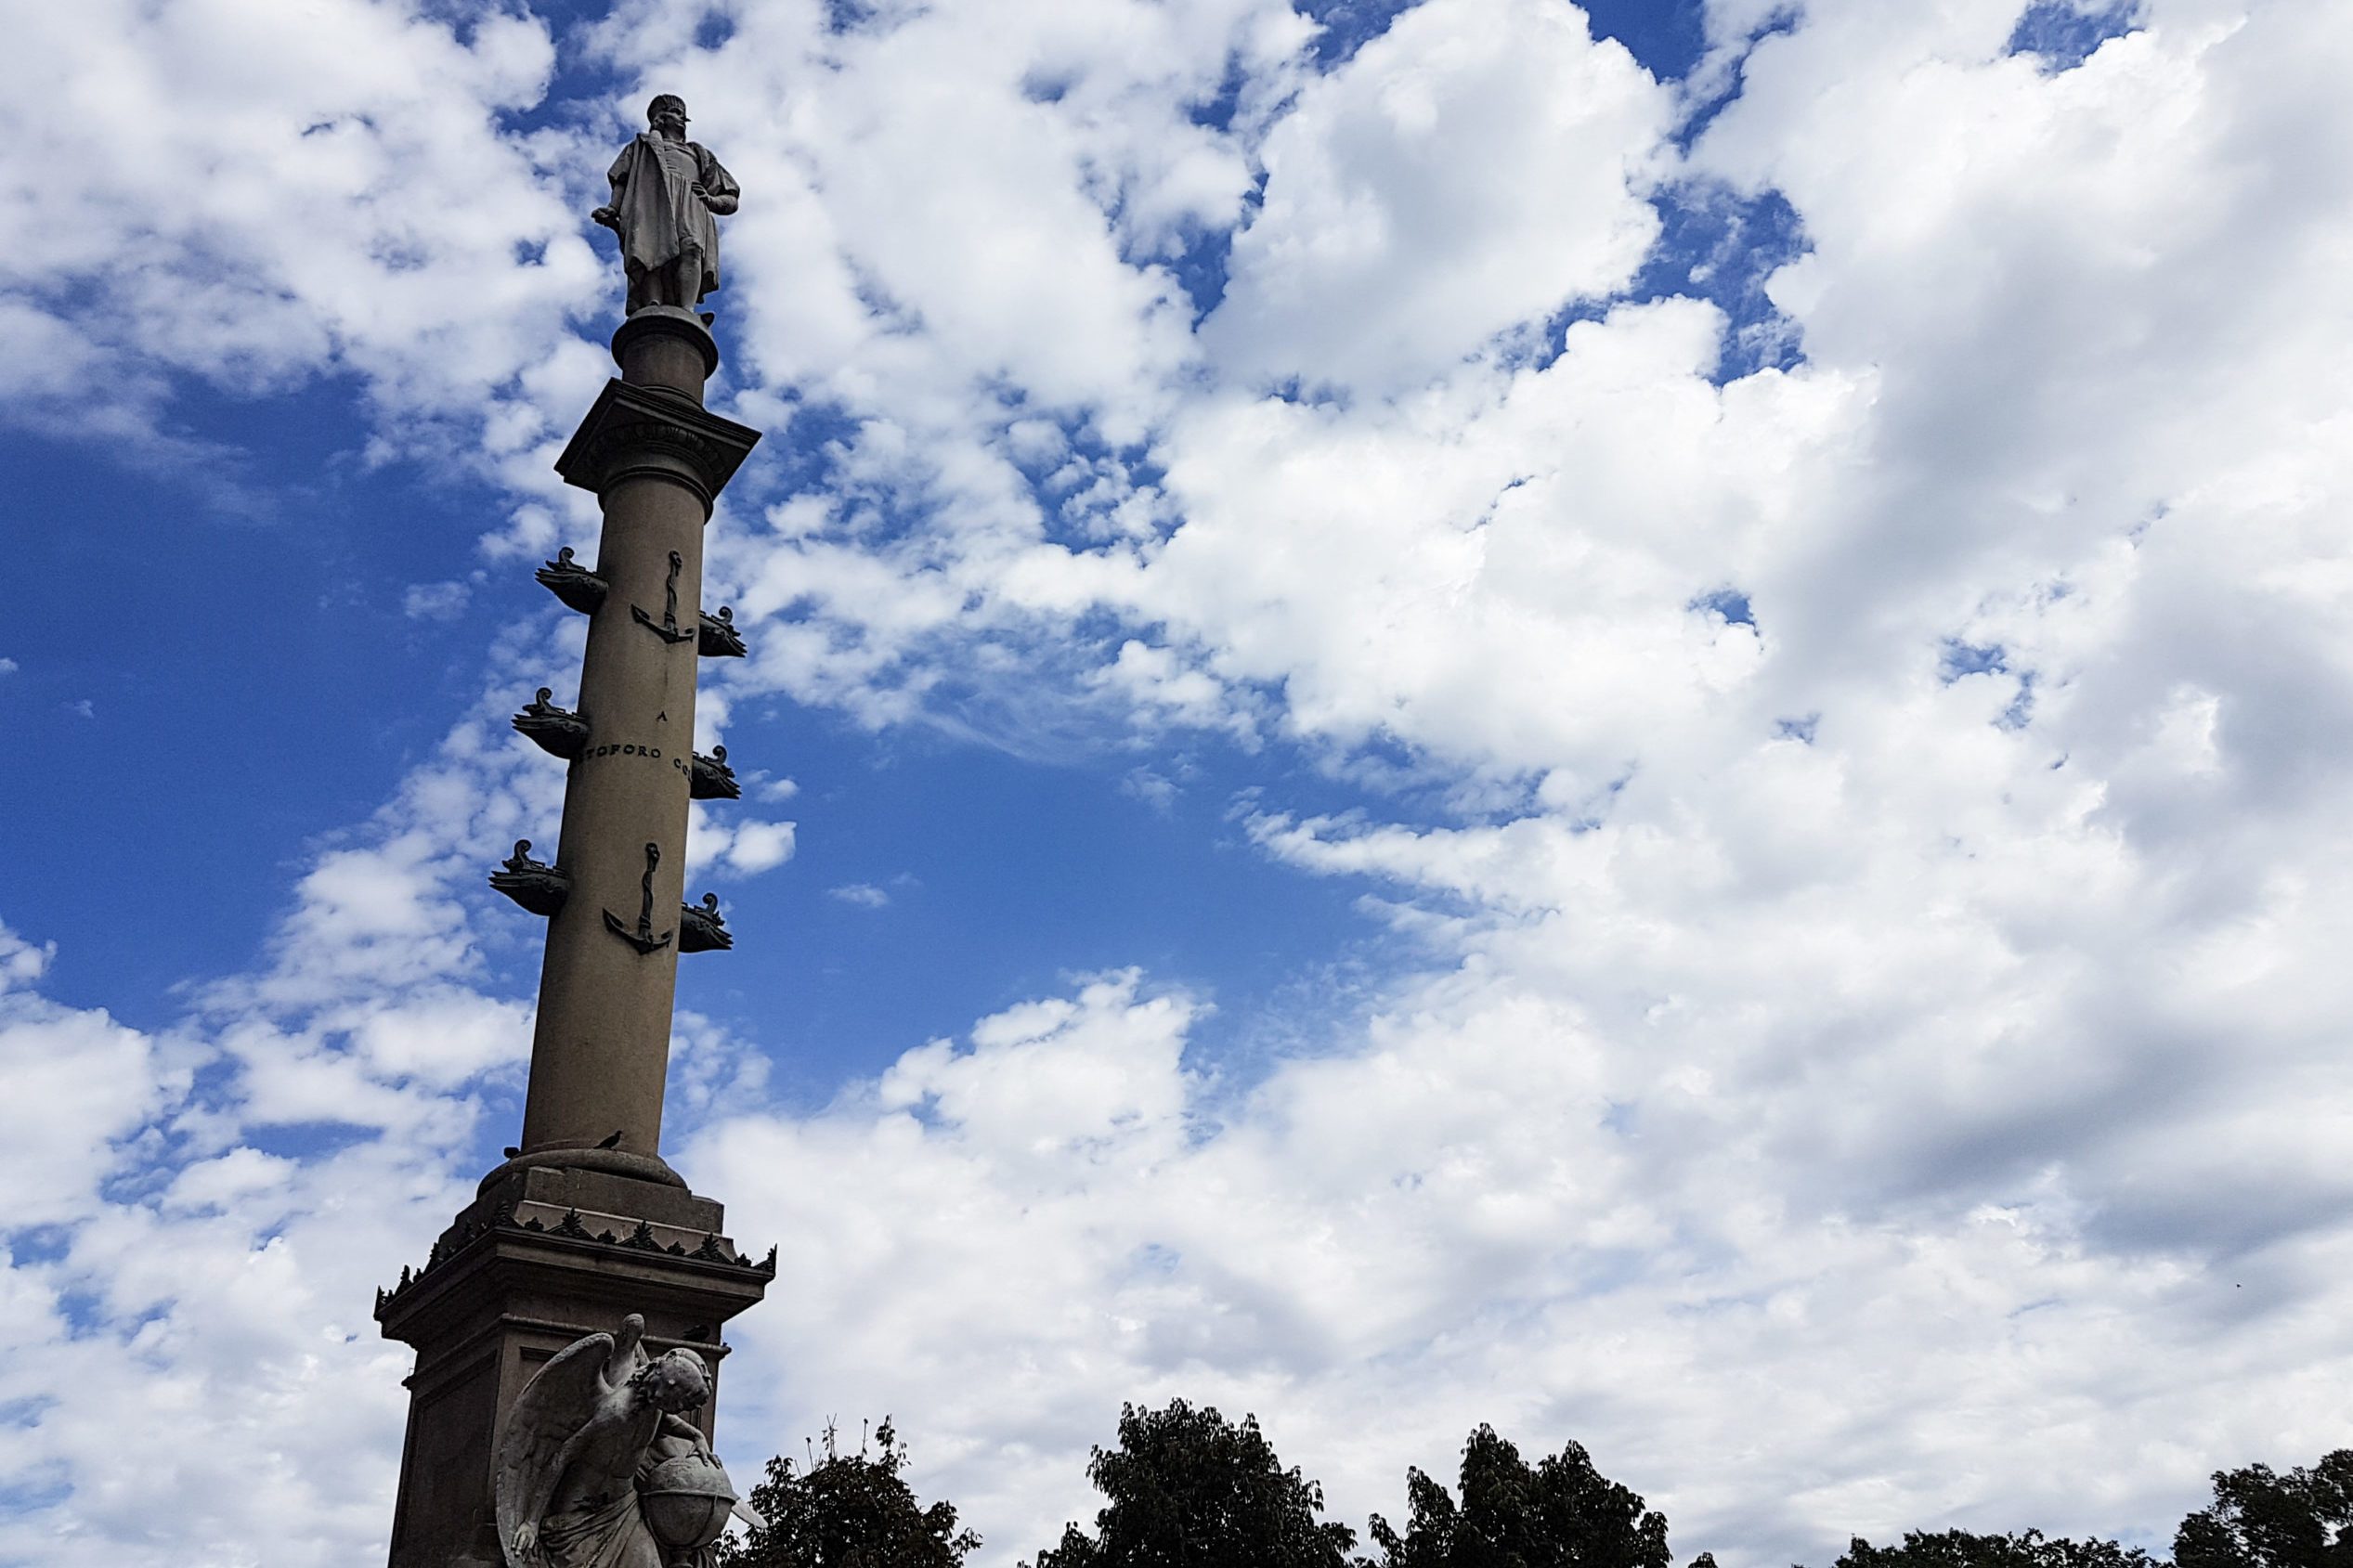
column 635, row 430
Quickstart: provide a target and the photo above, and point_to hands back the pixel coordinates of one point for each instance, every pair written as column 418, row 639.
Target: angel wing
column 555, row 1405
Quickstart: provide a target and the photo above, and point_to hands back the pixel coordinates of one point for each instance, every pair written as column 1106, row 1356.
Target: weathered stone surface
column 601, row 1048
column 634, row 429
column 520, row 1275
column 585, row 1223
column 597, row 1465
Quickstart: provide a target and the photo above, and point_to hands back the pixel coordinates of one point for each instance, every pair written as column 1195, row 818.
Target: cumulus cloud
column 737, row 846
column 434, row 601
column 79, row 1083
column 1474, row 168
column 1898, row 1013
column 1859, row 983
column 262, row 205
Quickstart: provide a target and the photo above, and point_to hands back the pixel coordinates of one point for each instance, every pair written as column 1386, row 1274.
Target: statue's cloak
column 612, row 1534
column 660, row 216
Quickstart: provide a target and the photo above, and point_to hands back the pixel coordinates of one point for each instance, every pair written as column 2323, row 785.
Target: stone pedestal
column 543, row 1257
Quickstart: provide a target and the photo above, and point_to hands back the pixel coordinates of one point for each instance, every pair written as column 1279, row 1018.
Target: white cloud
column 260, row 205
column 197, row 1314
column 1458, row 1223
column 1829, row 997
column 78, row 1084
column 760, row 847
column 435, row 601
column 1156, row 790
column 1803, row 1023
column 729, row 845
column 1475, row 167
column 865, row 895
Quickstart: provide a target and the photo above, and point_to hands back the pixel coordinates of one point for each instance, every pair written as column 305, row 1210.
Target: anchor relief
column 640, row 935
column 667, row 628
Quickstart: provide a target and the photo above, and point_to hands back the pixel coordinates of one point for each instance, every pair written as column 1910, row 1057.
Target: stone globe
column 685, row 1501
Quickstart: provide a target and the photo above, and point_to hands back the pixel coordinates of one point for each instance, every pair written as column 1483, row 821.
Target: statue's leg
column 639, row 280
column 690, row 277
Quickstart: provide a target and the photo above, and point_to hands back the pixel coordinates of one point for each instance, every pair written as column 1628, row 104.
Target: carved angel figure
column 599, row 1468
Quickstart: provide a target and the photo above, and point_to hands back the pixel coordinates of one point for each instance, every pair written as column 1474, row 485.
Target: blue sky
column 264, row 641
column 1619, row 719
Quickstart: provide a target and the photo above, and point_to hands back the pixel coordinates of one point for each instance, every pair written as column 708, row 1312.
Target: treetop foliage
column 1559, row 1513
column 1961, row 1548
column 1187, row 1489
column 2263, row 1520
column 848, row 1510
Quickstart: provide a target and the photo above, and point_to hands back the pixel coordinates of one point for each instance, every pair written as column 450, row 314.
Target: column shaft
column 602, row 1049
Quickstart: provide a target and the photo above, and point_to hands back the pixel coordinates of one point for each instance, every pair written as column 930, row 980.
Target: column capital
column 652, row 430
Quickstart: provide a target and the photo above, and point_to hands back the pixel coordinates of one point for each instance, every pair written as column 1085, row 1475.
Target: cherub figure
column 599, row 1468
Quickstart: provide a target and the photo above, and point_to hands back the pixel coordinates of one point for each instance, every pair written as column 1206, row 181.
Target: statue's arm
column 679, row 1426
column 541, row 1491
column 720, row 190
column 618, row 178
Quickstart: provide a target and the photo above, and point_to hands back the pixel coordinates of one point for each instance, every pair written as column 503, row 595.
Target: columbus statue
column 667, row 192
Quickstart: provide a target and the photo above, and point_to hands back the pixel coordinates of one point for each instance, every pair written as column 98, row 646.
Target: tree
column 1561, row 1514
column 1961, row 1548
column 2263, row 1520
column 1190, row 1489
column 848, row 1510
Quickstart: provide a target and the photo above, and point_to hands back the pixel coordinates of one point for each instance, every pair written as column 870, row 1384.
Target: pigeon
column 511, row 1152
column 613, row 1142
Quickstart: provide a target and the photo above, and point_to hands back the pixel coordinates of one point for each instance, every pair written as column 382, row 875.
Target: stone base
column 610, row 1161
column 545, row 1256
column 663, row 346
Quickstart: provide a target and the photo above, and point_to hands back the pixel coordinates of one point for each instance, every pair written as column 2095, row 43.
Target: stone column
column 581, row 1228
column 657, row 461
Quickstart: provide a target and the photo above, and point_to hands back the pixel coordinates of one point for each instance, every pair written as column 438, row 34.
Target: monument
column 541, row 1431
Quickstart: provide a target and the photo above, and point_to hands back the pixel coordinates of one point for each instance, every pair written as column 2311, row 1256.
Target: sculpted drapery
column 597, row 1466
column 668, row 193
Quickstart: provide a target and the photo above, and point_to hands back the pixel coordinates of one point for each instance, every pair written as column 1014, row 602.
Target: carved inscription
column 650, row 753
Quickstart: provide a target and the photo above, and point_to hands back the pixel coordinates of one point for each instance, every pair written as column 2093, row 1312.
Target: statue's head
column 666, row 112
column 675, row 1382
